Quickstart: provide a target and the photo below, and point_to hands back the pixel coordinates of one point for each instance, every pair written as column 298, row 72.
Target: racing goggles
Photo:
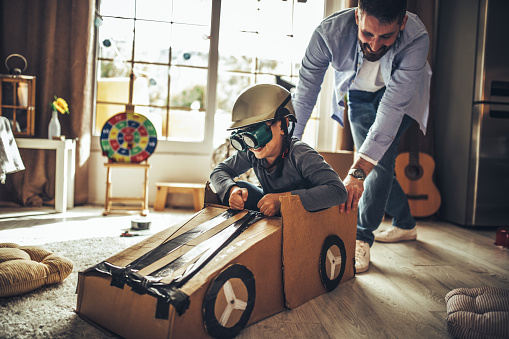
column 254, row 137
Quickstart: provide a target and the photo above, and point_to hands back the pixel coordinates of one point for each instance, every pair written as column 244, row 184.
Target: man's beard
column 373, row 56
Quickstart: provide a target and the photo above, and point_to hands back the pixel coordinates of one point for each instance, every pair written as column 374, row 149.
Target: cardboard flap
column 211, row 197
column 304, row 234
column 340, row 161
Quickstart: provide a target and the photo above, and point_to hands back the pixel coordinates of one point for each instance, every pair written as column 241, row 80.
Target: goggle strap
column 286, row 100
column 278, row 111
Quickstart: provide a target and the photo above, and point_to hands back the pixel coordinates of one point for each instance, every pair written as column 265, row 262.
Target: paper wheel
column 229, row 302
column 332, row 262
column 128, row 137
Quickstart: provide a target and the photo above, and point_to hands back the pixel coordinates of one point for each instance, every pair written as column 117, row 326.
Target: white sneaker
column 396, row 234
column 361, row 256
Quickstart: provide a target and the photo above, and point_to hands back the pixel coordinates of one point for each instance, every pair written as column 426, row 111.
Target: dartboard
column 128, row 137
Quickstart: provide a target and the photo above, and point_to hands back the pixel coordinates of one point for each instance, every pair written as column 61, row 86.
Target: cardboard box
column 274, row 263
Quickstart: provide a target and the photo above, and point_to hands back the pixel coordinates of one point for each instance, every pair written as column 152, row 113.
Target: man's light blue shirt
column 404, row 67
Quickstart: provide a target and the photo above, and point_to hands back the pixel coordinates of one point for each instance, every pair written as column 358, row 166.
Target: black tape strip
column 170, row 293
column 166, row 248
column 186, row 257
column 180, row 300
column 211, row 252
column 162, row 308
column 117, row 273
column 209, row 247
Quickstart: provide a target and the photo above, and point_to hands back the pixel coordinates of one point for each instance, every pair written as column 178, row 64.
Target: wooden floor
column 402, row 293
column 400, row 296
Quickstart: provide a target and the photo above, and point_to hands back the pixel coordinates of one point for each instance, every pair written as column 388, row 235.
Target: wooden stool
column 163, row 188
column 109, row 199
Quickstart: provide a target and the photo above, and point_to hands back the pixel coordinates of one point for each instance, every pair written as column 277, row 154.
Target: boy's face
column 273, row 148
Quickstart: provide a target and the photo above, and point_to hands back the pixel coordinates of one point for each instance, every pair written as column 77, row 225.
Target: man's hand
column 269, row 204
column 355, row 188
column 238, row 196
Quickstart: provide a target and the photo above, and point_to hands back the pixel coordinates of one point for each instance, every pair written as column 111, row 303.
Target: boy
column 282, row 164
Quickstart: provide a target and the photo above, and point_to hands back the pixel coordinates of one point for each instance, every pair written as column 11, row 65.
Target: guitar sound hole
column 413, row 172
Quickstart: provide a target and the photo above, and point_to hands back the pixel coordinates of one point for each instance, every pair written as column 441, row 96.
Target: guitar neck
column 414, row 145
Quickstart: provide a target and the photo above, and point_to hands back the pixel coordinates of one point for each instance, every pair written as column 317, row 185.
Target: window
column 166, row 47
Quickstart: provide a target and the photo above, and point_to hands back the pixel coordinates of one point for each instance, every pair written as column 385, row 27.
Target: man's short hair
column 385, row 11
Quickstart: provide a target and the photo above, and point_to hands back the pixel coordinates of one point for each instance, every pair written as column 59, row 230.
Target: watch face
column 357, row 173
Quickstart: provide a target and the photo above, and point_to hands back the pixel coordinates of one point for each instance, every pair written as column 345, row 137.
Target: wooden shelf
column 17, row 103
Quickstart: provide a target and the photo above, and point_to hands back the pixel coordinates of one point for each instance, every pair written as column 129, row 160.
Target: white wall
column 166, row 167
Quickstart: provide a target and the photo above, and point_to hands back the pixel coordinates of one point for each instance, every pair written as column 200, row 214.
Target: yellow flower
column 60, row 105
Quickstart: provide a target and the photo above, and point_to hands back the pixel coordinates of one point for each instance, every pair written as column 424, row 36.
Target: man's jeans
column 382, row 192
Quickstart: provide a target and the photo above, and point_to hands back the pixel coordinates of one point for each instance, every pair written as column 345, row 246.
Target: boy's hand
column 237, row 197
column 269, row 204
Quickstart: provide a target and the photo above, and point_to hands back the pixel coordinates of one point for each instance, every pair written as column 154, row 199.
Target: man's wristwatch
column 357, row 173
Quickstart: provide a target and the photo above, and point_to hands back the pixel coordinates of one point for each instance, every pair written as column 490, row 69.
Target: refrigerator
column 471, row 111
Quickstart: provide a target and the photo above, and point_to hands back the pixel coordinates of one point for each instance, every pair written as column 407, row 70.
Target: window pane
column 157, row 81
column 152, row 41
column 116, row 39
column 236, row 51
column 157, row 117
column 104, row 112
column 229, row 87
column 192, row 11
column 274, row 18
column 187, row 86
column 113, row 69
column 232, row 21
column 187, row 125
column 274, row 66
column 187, row 101
column 311, row 128
column 121, row 8
column 190, row 45
column 157, row 10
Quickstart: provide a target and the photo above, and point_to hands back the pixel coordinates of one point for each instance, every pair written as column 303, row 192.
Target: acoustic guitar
column 414, row 172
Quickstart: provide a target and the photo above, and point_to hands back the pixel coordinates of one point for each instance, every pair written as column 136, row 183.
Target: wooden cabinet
column 17, row 103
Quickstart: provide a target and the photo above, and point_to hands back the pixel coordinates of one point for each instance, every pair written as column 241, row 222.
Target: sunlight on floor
column 82, row 223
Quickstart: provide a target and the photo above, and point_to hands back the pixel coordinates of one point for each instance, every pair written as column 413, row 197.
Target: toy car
column 219, row 271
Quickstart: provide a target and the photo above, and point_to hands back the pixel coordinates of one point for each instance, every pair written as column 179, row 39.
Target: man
column 378, row 52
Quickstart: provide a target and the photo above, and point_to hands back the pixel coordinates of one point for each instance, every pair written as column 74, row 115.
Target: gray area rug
column 49, row 312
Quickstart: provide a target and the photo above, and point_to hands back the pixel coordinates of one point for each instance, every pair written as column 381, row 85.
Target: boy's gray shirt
column 305, row 173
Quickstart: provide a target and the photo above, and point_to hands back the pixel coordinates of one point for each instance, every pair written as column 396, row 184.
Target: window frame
column 326, row 130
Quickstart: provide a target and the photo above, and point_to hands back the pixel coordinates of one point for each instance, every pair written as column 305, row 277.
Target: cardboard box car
column 219, row 271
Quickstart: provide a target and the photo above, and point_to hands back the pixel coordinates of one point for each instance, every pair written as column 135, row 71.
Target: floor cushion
column 478, row 312
column 25, row 268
